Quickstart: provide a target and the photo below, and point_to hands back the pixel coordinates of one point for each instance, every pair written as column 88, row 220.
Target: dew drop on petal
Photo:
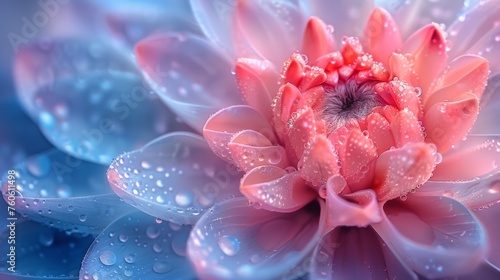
column 161, row 267
column 83, row 218
column 230, row 245
column 107, row 258
column 153, row 232
column 183, row 198
column 130, row 258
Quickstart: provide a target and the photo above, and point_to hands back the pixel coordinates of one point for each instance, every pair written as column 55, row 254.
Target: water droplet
column 153, row 232
column 107, row 258
column 438, row 158
column 183, row 198
column 46, row 238
column 128, row 272
column 494, row 187
column 71, row 208
column 162, row 267
column 290, row 169
column 130, row 258
column 230, row 245
column 145, row 165
column 158, row 220
column 418, row 91
column 255, row 258
column 83, row 218
column 123, row 237
column 275, row 157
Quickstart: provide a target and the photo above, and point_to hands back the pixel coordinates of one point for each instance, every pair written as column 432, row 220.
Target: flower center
column 347, row 101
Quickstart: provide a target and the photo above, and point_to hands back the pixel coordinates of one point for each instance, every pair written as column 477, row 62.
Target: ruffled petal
column 137, row 246
column 258, row 83
column 318, row 39
column 381, row 35
column 489, row 219
column 186, row 82
column 465, row 73
column 472, row 157
column 175, row 177
column 434, row 236
column 41, row 252
column 61, row 191
column 319, row 162
column 469, row 28
column 356, row 253
column 223, row 125
column 428, row 47
column 236, row 241
column 215, row 19
column 448, row 121
column 358, row 209
column 274, row 189
column 40, row 64
column 398, row 171
column 344, row 15
column 271, row 27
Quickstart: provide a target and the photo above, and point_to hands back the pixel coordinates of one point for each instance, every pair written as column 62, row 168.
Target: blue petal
column 59, row 190
column 175, row 177
column 193, row 86
column 42, row 252
column 138, row 247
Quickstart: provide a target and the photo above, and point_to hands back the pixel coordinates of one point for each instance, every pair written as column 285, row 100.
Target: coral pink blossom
column 361, row 126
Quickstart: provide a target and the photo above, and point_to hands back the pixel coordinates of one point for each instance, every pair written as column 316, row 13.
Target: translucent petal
column 435, row 236
column 194, row 87
column 236, row 241
column 96, row 116
column 43, row 62
column 136, row 20
column 137, row 246
column 490, row 109
column 489, row 218
column 42, row 252
column 356, row 253
column 61, row 191
column 175, row 177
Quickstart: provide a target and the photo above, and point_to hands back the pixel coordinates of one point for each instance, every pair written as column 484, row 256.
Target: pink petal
column 356, row 253
column 273, row 189
column 222, row 126
column 319, row 162
column 467, row 73
column 301, row 130
column 318, row 39
column 435, row 236
column 381, row 36
column 428, row 47
column 356, row 156
column 250, row 149
column 186, row 82
column 406, row 128
column 237, row 241
column 258, row 83
column 380, row 132
column 489, row 218
column 287, row 102
column 398, row 171
column 472, row 157
column 355, row 209
column 312, row 77
column 401, row 66
column 471, row 27
column 271, row 27
column 448, row 121
column 406, row 97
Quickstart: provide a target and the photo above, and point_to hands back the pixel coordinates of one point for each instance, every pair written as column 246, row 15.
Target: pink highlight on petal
column 448, row 122
column 401, row 66
column 381, row 36
column 274, row 189
column 398, row 171
column 406, row 128
column 319, row 162
column 301, row 130
column 317, row 40
column 428, row 47
column 380, row 132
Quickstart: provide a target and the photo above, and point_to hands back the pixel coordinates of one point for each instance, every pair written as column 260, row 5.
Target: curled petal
column 236, row 241
column 273, row 189
column 465, row 73
column 355, row 209
column 381, row 36
column 448, row 121
column 319, row 162
column 356, row 253
column 185, row 82
column 175, row 177
column 222, row 126
column 398, row 171
column 401, row 66
column 318, row 39
column 428, row 47
column 435, row 236
column 59, row 190
column 257, row 81
column 161, row 254
column 250, row 149
column 293, row 69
